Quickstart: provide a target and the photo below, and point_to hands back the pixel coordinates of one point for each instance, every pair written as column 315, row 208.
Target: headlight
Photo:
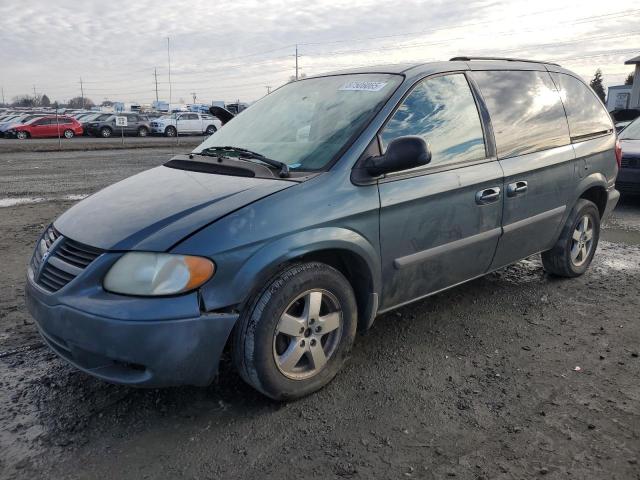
column 151, row 274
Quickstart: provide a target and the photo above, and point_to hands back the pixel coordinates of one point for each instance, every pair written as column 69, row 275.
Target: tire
column 211, row 129
column 170, row 131
column 22, row 135
column 105, row 132
column 573, row 252
column 68, row 134
column 260, row 347
column 143, row 132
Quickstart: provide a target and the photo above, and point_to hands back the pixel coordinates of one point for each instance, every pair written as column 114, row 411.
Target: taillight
column 618, row 153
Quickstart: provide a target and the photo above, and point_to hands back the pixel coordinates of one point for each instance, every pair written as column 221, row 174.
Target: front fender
column 266, row 261
column 242, row 271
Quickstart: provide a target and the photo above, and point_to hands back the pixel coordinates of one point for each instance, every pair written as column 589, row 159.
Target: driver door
column 439, row 223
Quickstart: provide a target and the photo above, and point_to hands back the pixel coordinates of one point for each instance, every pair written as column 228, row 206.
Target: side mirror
column 402, row 153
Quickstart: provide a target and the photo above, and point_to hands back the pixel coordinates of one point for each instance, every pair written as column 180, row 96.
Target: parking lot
column 93, row 143
column 514, row 375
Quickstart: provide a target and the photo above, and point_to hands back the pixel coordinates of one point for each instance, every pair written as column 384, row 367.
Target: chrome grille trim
column 57, row 260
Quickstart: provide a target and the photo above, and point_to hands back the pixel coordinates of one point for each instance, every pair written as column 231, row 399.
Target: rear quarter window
column 587, row 116
column 526, row 111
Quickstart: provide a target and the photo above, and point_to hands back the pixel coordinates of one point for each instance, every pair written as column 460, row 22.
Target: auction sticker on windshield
column 364, row 86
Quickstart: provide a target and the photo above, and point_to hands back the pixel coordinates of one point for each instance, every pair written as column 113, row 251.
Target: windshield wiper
column 248, row 154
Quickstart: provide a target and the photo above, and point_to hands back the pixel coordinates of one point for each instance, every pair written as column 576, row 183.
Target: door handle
column 517, row 188
column 489, row 195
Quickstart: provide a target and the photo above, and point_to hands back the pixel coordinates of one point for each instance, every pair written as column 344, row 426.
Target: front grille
column 57, row 260
column 154, row 124
column 628, row 162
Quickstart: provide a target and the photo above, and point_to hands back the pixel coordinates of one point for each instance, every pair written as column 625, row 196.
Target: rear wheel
column 170, row 132
column 143, row 132
column 296, row 334
column 105, row 132
column 211, row 129
column 68, row 134
column 22, row 135
column 574, row 250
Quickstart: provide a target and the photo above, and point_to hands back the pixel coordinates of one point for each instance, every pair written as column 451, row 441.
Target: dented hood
column 157, row 208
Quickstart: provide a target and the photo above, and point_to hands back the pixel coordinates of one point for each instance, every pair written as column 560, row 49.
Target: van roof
column 456, row 63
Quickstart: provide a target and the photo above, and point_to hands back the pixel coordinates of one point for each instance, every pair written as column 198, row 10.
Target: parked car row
column 23, row 125
column 628, row 181
column 39, row 126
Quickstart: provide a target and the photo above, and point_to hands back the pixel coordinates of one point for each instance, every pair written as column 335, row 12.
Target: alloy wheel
column 308, row 334
column 582, row 241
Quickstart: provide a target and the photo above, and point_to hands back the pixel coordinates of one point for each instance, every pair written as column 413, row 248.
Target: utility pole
column 3, row 96
column 296, row 62
column 155, row 74
column 193, row 94
column 268, row 87
column 82, row 92
column 35, row 97
column 169, row 62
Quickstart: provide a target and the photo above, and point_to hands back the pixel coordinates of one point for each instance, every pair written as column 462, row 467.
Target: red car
column 47, row 127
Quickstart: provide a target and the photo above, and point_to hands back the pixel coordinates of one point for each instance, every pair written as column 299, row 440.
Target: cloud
column 233, row 49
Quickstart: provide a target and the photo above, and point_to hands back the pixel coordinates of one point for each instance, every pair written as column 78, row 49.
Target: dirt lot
column 92, row 143
column 477, row 382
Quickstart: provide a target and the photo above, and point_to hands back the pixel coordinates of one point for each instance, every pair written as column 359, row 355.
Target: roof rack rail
column 506, row 59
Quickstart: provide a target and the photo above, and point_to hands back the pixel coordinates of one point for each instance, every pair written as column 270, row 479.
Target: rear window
column 587, row 116
column 526, row 111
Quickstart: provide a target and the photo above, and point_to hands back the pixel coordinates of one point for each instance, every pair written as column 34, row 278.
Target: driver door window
column 441, row 110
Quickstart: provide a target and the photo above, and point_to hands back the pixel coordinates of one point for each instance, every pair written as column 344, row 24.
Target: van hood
column 155, row 209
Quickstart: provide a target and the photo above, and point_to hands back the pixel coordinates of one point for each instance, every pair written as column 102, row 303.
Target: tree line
column 44, row 101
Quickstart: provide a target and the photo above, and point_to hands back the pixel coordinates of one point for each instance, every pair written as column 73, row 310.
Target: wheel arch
column 594, row 189
column 345, row 250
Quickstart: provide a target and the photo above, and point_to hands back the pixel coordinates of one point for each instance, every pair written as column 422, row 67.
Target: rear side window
column 587, row 116
column 526, row 111
column 441, row 110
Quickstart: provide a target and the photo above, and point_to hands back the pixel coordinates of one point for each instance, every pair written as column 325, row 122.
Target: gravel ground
column 478, row 382
column 93, row 143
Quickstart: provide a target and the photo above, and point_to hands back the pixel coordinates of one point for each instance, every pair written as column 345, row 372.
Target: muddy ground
column 477, row 382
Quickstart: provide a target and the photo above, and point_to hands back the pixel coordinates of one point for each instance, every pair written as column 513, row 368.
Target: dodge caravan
column 328, row 202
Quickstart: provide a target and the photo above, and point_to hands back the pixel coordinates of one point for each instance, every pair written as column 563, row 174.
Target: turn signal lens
column 153, row 274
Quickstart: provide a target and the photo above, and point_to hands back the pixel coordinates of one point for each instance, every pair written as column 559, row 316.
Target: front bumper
column 139, row 353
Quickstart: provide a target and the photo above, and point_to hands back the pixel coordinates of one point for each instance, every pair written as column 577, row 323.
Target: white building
column 634, row 99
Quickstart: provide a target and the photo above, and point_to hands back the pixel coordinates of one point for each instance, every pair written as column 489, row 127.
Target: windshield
column 631, row 131
column 305, row 124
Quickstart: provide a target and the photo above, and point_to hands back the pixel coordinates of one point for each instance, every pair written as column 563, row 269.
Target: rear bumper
column 628, row 181
column 613, row 196
column 139, row 353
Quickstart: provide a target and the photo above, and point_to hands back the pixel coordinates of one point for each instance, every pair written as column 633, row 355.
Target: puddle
column 617, row 257
column 13, row 202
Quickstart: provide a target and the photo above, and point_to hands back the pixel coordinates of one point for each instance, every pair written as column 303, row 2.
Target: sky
column 234, row 50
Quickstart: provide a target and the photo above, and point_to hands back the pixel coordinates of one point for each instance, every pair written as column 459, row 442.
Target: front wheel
column 573, row 252
column 211, row 129
column 105, row 132
column 171, row 132
column 296, row 334
column 143, row 132
column 22, row 135
column 68, row 134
